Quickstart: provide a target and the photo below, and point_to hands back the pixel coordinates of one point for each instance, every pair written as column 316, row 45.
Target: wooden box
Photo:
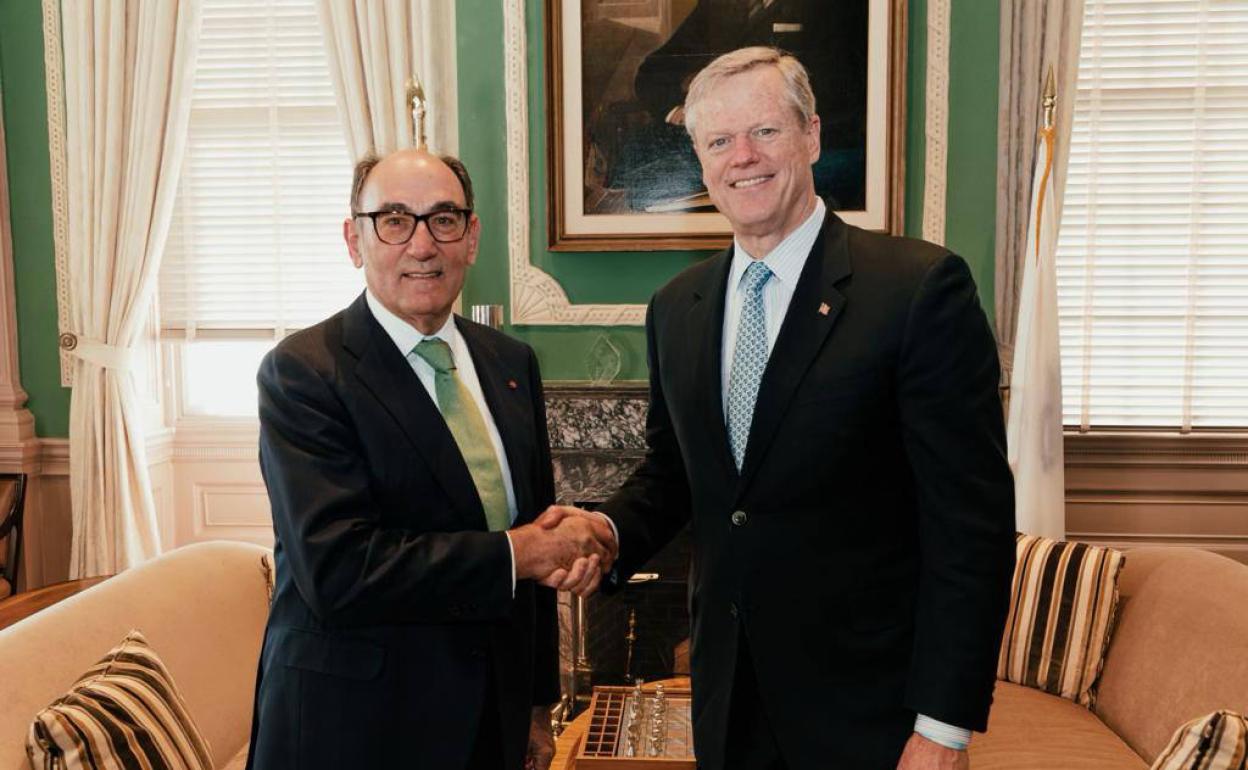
column 628, row 732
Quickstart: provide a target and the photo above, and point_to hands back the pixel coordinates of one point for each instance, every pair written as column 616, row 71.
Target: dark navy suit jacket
column 393, row 610
column 867, row 545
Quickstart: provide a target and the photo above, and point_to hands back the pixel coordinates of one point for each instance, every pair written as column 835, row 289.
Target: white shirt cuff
column 957, row 738
column 614, row 532
column 511, row 549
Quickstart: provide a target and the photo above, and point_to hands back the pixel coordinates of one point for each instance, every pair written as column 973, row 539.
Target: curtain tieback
column 99, row 353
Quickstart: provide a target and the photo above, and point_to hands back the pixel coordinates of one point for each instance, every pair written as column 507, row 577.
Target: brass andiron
column 629, row 641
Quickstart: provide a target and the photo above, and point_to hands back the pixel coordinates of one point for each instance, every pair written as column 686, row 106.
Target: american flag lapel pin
column 824, row 308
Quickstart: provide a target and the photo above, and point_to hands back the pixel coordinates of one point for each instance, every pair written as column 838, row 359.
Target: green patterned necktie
column 459, row 409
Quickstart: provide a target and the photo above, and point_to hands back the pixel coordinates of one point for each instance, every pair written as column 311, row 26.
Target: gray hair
column 797, row 89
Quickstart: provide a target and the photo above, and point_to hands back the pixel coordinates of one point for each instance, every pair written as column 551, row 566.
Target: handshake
column 565, row 548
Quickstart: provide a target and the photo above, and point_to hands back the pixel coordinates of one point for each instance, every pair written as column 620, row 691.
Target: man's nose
column 422, row 244
column 743, row 151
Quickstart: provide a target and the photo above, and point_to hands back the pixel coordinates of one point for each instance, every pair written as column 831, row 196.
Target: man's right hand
column 564, row 551
column 583, row 577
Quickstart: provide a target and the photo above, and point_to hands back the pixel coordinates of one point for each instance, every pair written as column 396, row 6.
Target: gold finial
column 416, row 100
column 1050, row 99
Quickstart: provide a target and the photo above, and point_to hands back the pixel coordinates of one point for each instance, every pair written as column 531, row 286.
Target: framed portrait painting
column 622, row 171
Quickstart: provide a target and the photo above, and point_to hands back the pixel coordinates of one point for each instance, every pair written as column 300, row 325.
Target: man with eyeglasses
column 406, row 457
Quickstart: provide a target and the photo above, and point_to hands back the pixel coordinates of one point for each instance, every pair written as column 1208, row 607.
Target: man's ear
column 812, row 138
column 352, row 238
column 474, row 239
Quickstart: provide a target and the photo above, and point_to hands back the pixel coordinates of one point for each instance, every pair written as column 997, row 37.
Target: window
column 1152, row 260
column 255, row 246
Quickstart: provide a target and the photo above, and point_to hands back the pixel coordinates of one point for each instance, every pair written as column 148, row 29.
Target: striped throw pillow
column 124, row 712
column 1217, row 741
column 1061, row 615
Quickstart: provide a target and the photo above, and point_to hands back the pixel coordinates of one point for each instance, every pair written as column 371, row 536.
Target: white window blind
column 1153, row 250
column 256, row 239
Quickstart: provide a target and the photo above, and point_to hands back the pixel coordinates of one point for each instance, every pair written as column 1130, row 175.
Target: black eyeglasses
column 396, row 227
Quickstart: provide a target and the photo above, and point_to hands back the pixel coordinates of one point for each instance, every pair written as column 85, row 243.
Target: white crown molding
column 55, row 83
column 22, row 457
column 216, row 440
column 936, row 121
column 49, row 456
column 537, row 299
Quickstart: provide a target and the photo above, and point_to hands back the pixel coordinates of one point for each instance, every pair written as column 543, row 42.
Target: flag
column 1034, row 429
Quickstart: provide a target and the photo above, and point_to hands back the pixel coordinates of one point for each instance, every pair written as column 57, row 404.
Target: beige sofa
column 202, row 608
column 1179, row 651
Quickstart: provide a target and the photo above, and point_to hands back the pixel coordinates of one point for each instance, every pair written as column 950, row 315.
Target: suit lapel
column 383, row 370
column 705, row 325
column 806, row 325
column 509, row 408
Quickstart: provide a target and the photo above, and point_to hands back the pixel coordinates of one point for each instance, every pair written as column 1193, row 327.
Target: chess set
column 637, row 728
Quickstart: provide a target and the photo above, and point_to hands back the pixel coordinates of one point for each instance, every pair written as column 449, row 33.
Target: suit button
column 477, row 652
column 739, row 518
column 732, row 610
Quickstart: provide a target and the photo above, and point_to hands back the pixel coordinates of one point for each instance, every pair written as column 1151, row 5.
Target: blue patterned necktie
column 749, row 359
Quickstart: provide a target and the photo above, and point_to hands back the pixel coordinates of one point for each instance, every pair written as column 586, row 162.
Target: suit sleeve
column 546, row 626
column 349, row 566
column 655, row 502
column 955, row 441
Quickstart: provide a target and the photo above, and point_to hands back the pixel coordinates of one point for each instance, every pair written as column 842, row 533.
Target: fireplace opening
column 631, row 634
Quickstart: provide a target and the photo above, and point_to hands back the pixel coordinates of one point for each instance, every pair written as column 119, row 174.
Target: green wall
column 971, row 191
column 30, row 197
column 623, row 277
column 630, row 277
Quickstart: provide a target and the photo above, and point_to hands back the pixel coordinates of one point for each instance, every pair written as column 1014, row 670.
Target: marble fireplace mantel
column 597, row 436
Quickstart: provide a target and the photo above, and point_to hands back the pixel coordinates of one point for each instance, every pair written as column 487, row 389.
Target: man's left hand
column 541, row 740
column 923, row 754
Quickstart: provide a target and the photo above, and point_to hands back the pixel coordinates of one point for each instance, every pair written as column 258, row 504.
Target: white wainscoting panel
column 218, row 492
column 231, row 510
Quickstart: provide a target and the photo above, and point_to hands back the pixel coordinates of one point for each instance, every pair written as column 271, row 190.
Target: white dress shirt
column 406, row 337
column 786, row 262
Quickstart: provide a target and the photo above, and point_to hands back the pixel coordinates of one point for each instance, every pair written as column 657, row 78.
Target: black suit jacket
column 870, row 561
column 393, row 609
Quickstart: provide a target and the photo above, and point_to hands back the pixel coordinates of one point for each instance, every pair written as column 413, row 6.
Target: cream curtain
column 128, row 75
column 1034, row 35
column 373, row 49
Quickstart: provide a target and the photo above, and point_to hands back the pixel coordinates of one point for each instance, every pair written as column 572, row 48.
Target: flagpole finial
column 416, row 102
column 1050, row 99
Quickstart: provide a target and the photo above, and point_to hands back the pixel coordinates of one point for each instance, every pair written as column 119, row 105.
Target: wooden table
column 27, row 603
column 567, row 743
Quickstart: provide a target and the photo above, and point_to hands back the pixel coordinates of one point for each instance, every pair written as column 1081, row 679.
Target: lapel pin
column 824, row 308
column 512, row 384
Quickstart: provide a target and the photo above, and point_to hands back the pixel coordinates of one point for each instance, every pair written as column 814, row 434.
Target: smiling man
column 406, row 458
column 824, row 408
